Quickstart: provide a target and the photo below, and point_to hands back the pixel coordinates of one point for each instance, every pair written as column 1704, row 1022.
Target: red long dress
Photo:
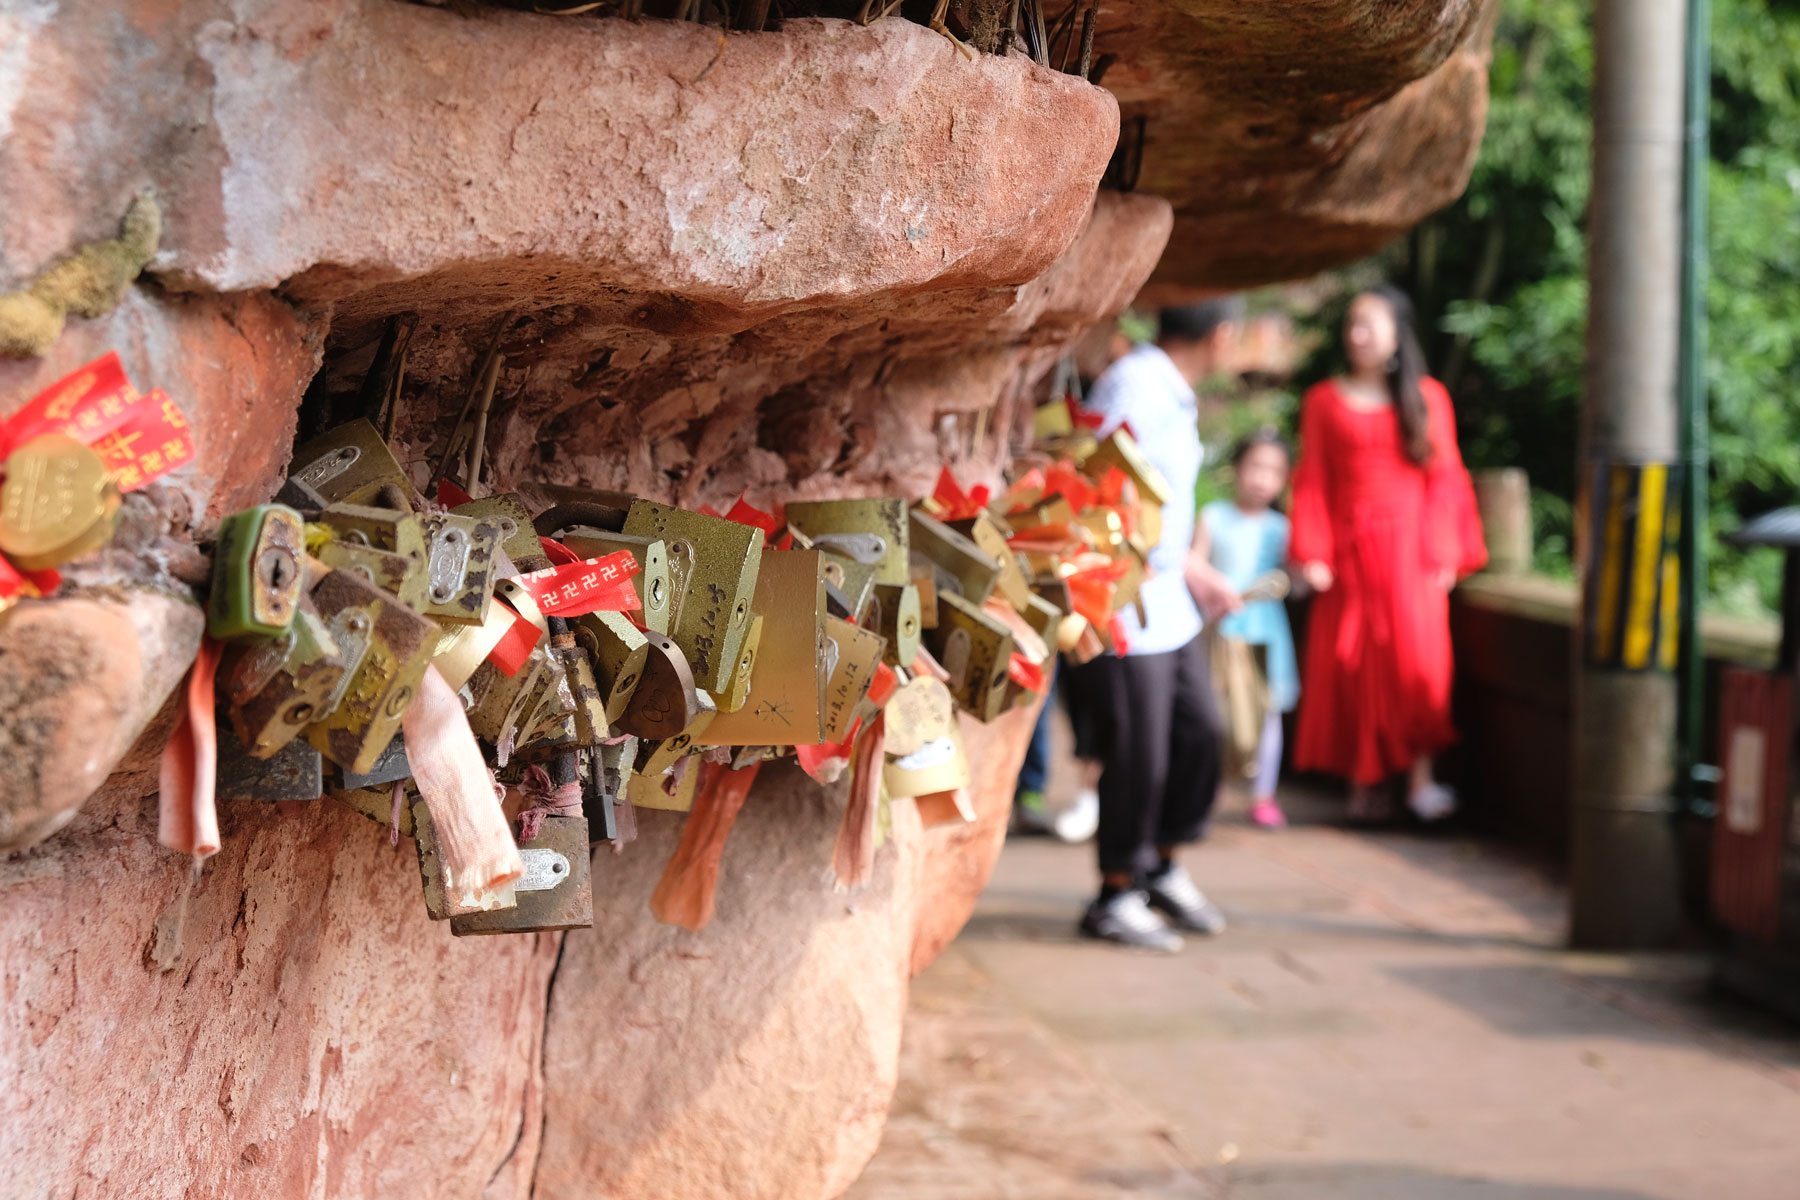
column 1377, row 673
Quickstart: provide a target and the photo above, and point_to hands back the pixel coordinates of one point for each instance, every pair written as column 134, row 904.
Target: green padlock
column 257, row 574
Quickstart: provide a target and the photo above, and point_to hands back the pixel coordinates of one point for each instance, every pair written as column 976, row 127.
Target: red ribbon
column 451, row 496
column 511, row 651
column 1120, row 639
column 1062, row 479
column 1080, row 417
column 745, row 513
column 558, row 554
column 952, row 502
column 1025, row 673
column 590, row 585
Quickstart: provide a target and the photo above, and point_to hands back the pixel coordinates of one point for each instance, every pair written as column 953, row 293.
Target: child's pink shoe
column 1266, row 814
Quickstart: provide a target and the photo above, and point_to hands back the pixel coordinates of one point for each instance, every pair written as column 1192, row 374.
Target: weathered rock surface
column 296, row 1028
column 1299, row 136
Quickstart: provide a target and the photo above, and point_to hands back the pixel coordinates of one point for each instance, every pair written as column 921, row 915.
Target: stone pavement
column 1390, row 1017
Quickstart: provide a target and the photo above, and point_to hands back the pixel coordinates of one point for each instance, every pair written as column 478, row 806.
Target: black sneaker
column 1173, row 891
column 1125, row 918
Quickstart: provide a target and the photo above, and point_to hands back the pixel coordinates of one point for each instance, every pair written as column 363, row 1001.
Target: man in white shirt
column 1159, row 722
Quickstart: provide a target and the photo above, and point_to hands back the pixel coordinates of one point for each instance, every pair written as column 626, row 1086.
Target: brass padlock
column 400, row 574
column 886, row 519
column 924, row 581
column 58, row 502
column 618, row 652
column 461, row 564
column 1042, row 616
column 990, row 535
column 656, row 757
column 391, row 531
column 592, row 724
column 257, row 575
column 1119, row 449
column 389, row 768
column 495, row 701
column 852, row 582
column 463, row 648
column 976, row 649
column 665, row 700
column 555, row 892
column 717, row 562
column 648, row 791
column 294, row 772
column 655, row 590
column 855, row 655
column 275, row 689
column 738, row 691
column 923, row 740
column 518, row 539
column 440, row 902
column 894, row 614
column 347, row 465
column 397, row 644
column 377, row 804
column 958, row 564
column 783, row 704
column 1055, row 511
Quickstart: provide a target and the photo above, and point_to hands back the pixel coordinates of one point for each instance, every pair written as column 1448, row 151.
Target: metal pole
column 1624, row 869
column 1695, row 412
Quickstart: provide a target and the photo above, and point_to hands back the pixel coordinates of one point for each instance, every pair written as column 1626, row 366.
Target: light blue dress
column 1246, row 545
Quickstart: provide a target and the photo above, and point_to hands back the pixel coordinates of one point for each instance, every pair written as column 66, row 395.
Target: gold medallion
column 58, row 502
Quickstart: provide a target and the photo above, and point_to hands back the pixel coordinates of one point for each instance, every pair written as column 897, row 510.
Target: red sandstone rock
column 237, row 366
column 304, row 1030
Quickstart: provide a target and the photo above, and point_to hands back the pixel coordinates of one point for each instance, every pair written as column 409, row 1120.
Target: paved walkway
column 1391, row 1017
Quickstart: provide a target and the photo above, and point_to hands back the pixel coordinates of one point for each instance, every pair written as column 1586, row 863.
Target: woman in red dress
column 1384, row 523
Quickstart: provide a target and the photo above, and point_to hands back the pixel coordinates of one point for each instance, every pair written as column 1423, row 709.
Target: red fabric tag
column 1025, row 673
column 513, row 649
column 1120, row 639
column 151, row 440
column 558, row 554
column 1062, row 479
column 1080, row 417
column 583, row 587
column 885, row 684
column 85, row 404
column 812, row 759
column 450, row 496
column 745, row 513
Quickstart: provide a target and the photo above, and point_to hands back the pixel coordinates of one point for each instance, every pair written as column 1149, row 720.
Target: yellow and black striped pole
column 1624, row 870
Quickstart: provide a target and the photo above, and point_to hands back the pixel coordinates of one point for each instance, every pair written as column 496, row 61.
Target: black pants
column 1159, row 742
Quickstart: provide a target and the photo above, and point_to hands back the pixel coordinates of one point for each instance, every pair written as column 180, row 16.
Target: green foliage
column 1502, row 293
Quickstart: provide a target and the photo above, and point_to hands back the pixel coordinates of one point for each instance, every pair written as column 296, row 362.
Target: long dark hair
column 1404, row 371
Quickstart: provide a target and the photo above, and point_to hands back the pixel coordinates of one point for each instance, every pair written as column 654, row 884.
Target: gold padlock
column 648, row 791
column 855, row 655
column 390, row 571
column 655, row 591
column 883, row 518
column 58, row 502
column 852, row 582
column 737, row 693
column 463, row 648
column 396, row 645
column 783, row 705
column 461, row 563
column 976, row 649
column 665, row 700
column 276, row 688
column 390, row 530
column 619, row 651
column 440, row 903
column 717, row 561
column 990, row 535
column 656, row 757
column 1119, row 449
column 348, row 465
column 555, row 892
column 923, row 740
column 959, row 565
column 894, row 614
column 518, row 539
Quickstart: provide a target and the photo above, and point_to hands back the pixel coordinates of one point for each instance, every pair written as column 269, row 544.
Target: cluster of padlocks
column 429, row 662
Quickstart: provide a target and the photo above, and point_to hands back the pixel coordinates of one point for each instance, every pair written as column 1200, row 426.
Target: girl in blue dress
column 1249, row 539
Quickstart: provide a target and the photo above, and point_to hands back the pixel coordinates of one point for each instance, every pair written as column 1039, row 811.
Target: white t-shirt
column 1144, row 390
